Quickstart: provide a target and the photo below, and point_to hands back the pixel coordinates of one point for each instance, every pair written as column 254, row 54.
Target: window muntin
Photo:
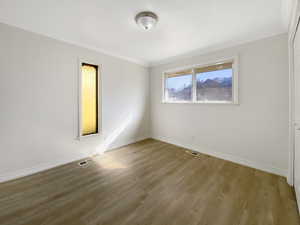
column 213, row 83
column 89, row 99
column 179, row 86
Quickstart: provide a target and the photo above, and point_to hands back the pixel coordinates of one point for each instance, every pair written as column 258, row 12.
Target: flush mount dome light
column 146, row 20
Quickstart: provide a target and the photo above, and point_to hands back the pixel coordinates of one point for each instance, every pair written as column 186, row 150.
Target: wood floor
column 149, row 183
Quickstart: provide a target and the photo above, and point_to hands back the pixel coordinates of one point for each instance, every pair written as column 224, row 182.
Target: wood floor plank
column 149, row 183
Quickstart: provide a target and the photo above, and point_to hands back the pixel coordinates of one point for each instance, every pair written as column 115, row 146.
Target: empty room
column 149, row 112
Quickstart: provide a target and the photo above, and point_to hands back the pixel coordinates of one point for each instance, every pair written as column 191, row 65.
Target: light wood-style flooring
column 149, row 183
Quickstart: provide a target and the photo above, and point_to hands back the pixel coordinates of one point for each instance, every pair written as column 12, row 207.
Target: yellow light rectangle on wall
column 89, row 82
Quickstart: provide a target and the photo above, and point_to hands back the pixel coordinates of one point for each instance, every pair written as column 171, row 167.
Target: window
column 179, row 86
column 89, row 99
column 212, row 83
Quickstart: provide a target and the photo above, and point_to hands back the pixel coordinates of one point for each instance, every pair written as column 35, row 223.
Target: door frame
column 295, row 19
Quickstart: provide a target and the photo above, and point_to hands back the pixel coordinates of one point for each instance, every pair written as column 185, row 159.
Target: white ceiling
column 184, row 25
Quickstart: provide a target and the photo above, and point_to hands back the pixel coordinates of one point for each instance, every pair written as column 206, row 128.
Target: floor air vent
column 83, row 163
column 197, row 154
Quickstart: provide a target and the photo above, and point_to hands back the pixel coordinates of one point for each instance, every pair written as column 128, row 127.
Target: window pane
column 215, row 85
column 179, row 88
column 89, row 99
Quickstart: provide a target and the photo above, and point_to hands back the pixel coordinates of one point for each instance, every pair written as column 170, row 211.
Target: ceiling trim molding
column 292, row 22
column 89, row 47
column 209, row 50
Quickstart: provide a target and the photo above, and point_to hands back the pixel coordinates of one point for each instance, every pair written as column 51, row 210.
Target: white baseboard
column 7, row 176
column 123, row 143
column 229, row 157
column 45, row 166
column 35, row 169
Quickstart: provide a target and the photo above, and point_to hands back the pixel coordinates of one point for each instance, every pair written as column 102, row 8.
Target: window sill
column 198, row 102
column 83, row 137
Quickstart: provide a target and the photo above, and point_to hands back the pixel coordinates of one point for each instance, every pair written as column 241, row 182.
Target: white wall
column 253, row 133
column 38, row 97
column 38, row 100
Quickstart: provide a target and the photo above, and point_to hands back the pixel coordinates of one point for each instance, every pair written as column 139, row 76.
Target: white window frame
column 92, row 62
column 235, row 74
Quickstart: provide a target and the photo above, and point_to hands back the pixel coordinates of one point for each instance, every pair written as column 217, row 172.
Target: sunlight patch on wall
column 111, row 138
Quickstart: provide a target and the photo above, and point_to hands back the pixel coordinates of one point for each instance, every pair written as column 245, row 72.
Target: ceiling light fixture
column 146, row 20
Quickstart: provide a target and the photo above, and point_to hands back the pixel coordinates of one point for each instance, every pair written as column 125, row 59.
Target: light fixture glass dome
column 146, row 20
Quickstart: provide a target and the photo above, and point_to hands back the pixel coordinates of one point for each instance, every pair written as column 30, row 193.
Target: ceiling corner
column 287, row 11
